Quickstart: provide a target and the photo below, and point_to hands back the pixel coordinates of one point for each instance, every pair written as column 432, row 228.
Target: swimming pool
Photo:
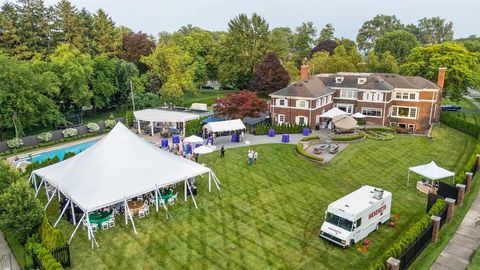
column 77, row 148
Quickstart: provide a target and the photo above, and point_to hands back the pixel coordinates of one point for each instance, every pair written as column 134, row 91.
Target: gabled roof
column 312, row 87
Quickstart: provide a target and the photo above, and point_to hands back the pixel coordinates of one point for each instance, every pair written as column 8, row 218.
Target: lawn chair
column 94, row 227
column 111, row 222
column 105, row 225
column 141, row 213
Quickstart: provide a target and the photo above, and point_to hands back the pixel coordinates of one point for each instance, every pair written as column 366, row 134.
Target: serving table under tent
column 118, row 168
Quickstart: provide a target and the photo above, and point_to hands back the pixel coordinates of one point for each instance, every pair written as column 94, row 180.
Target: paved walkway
column 7, row 260
column 460, row 249
column 471, row 95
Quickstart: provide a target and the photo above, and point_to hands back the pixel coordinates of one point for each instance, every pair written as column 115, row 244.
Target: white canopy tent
column 223, row 126
column 193, row 139
column 358, row 115
column 163, row 116
column 118, row 167
column 332, row 113
column 431, row 171
column 203, row 150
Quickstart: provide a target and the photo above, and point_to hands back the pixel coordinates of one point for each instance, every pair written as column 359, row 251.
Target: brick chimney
column 441, row 77
column 304, row 72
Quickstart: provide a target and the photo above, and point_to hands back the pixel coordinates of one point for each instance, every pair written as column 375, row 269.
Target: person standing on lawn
column 250, row 157
column 255, row 156
column 222, row 152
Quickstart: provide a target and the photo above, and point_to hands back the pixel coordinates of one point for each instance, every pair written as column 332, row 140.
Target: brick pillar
column 393, row 264
column 461, row 194
column 441, row 77
column 304, row 72
column 469, row 177
column 436, row 228
column 450, row 204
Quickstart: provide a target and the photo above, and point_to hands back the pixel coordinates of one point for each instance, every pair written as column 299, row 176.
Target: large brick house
column 386, row 99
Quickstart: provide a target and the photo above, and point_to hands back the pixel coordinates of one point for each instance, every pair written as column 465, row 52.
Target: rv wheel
column 352, row 243
column 378, row 225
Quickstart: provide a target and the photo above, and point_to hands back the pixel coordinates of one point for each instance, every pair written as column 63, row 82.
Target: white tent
column 193, row 139
column 163, row 116
column 344, row 122
column 431, row 171
column 332, row 113
column 203, row 150
column 223, row 126
column 118, row 167
column 358, row 115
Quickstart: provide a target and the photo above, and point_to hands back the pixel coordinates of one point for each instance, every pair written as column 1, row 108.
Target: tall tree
column 67, row 26
column 304, row 40
column 324, row 46
column 282, row 42
column 270, row 75
column 243, row 46
column 103, row 81
column 326, row 33
column 107, row 37
column 74, row 70
column 374, row 28
column 472, row 43
column 399, row 43
column 463, row 67
column 341, row 60
column 434, row 30
column 240, row 105
column 10, row 40
column 174, row 68
column 381, row 62
column 27, row 94
column 136, row 45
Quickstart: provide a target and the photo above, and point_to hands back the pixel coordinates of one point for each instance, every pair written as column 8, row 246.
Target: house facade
column 409, row 102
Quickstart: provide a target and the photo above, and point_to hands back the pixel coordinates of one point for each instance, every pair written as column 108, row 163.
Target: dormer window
column 338, row 79
column 362, row 80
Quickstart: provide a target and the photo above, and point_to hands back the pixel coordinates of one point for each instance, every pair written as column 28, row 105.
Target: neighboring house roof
column 322, row 84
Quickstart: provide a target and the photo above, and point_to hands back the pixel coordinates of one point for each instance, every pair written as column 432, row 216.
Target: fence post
column 461, row 194
column 393, row 264
column 450, row 204
column 436, row 228
column 469, row 178
column 478, row 163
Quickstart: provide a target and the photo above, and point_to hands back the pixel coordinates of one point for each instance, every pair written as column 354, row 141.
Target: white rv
column 351, row 218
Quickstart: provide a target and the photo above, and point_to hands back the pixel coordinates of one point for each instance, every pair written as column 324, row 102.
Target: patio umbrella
column 358, row 115
column 344, row 122
column 193, row 139
column 202, row 150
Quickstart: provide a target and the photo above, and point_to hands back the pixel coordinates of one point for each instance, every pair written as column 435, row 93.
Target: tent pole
column 191, row 194
column 39, row 186
column 73, row 212
column 185, row 188
column 156, row 199
column 46, row 191
column 61, row 214
column 58, row 194
column 453, row 179
column 184, row 128
column 133, row 223
column 138, row 126
column 50, row 199
column 210, row 181
column 88, row 226
column 76, row 228
column 217, row 183
column 151, row 127
column 126, row 211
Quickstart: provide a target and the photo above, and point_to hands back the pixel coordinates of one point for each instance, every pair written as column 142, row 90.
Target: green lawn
column 271, row 213
column 463, row 102
column 205, row 96
column 475, row 263
column 472, row 117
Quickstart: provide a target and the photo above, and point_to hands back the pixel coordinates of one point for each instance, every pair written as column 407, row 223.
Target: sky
column 347, row 16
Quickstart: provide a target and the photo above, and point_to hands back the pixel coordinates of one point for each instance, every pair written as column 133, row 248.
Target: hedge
column 262, row 129
column 129, row 119
column 408, row 237
column 52, row 238
column 379, row 135
column 382, row 129
column 310, row 138
column 459, row 124
column 307, row 155
column 341, row 138
column 47, row 261
column 194, row 127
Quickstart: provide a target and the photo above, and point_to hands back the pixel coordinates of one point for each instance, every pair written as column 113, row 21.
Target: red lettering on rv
column 378, row 211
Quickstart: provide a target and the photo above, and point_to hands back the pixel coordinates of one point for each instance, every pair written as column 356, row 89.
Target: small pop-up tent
column 224, row 126
column 358, row 115
column 332, row 113
column 431, row 171
column 193, row 139
column 118, row 167
column 344, row 122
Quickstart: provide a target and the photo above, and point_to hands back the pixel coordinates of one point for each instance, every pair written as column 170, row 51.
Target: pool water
column 77, row 148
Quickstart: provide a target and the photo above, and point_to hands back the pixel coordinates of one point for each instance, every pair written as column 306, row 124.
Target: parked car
column 450, row 107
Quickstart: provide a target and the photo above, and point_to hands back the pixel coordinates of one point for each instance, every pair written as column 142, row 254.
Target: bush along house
column 408, row 102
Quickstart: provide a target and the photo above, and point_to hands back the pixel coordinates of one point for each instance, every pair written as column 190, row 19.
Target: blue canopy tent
column 211, row 119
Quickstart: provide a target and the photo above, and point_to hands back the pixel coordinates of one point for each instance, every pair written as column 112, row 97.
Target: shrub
column 69, row 132
column 47, row 260
column 68, row 155
column 21, row 211
column 37, row 165
column 306, row 154
column 279, row 129
column 310, row 138
column 382, row 129
column 51, row 237
column 460, row 124
column 361, row 122
column 93, row 127
column 8, row 175
column 346, row 138
column 14, row 143
column 129, row 119
column 44, row 137
column 379, row 135
column 194, row 127
column 110, row 123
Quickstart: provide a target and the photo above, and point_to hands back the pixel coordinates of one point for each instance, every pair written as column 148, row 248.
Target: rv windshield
column 339, row 221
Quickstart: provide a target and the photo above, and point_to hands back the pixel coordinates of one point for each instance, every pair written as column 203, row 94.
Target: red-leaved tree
column 134, row 46
column 240, row 105
column 269, row 75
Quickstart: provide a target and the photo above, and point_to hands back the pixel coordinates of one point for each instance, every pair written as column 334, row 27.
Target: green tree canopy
column 434, row 30
column 472, row 43
column 304, row 40
column 326, row 33
column 374, row 28
column 107, row 38
column 381, row 62
column 463, row 67
column 342, row 60
column 103, row 81
column 399, row 43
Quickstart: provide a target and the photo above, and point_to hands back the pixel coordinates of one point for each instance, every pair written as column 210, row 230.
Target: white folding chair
column 94, row 227
column 146, row 209
column 139, row 198
column 111, row 222
column 141, row 213
column 105, row 225
column 84, row 223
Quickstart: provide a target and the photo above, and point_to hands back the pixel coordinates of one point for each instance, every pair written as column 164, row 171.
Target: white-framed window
column 281, row 118
column 338, row 79
column 372, row 96
column 404, row 112
column 345, row 94
column 329, row 98
column 408, row 127
column 301, row 120
column 282, row 102
column 362, row 80
column 302, row 104
column 406, row 95
column 348, row 108
column 372, row 112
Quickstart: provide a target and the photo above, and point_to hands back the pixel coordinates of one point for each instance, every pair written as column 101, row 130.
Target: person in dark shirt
column 222, row 152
